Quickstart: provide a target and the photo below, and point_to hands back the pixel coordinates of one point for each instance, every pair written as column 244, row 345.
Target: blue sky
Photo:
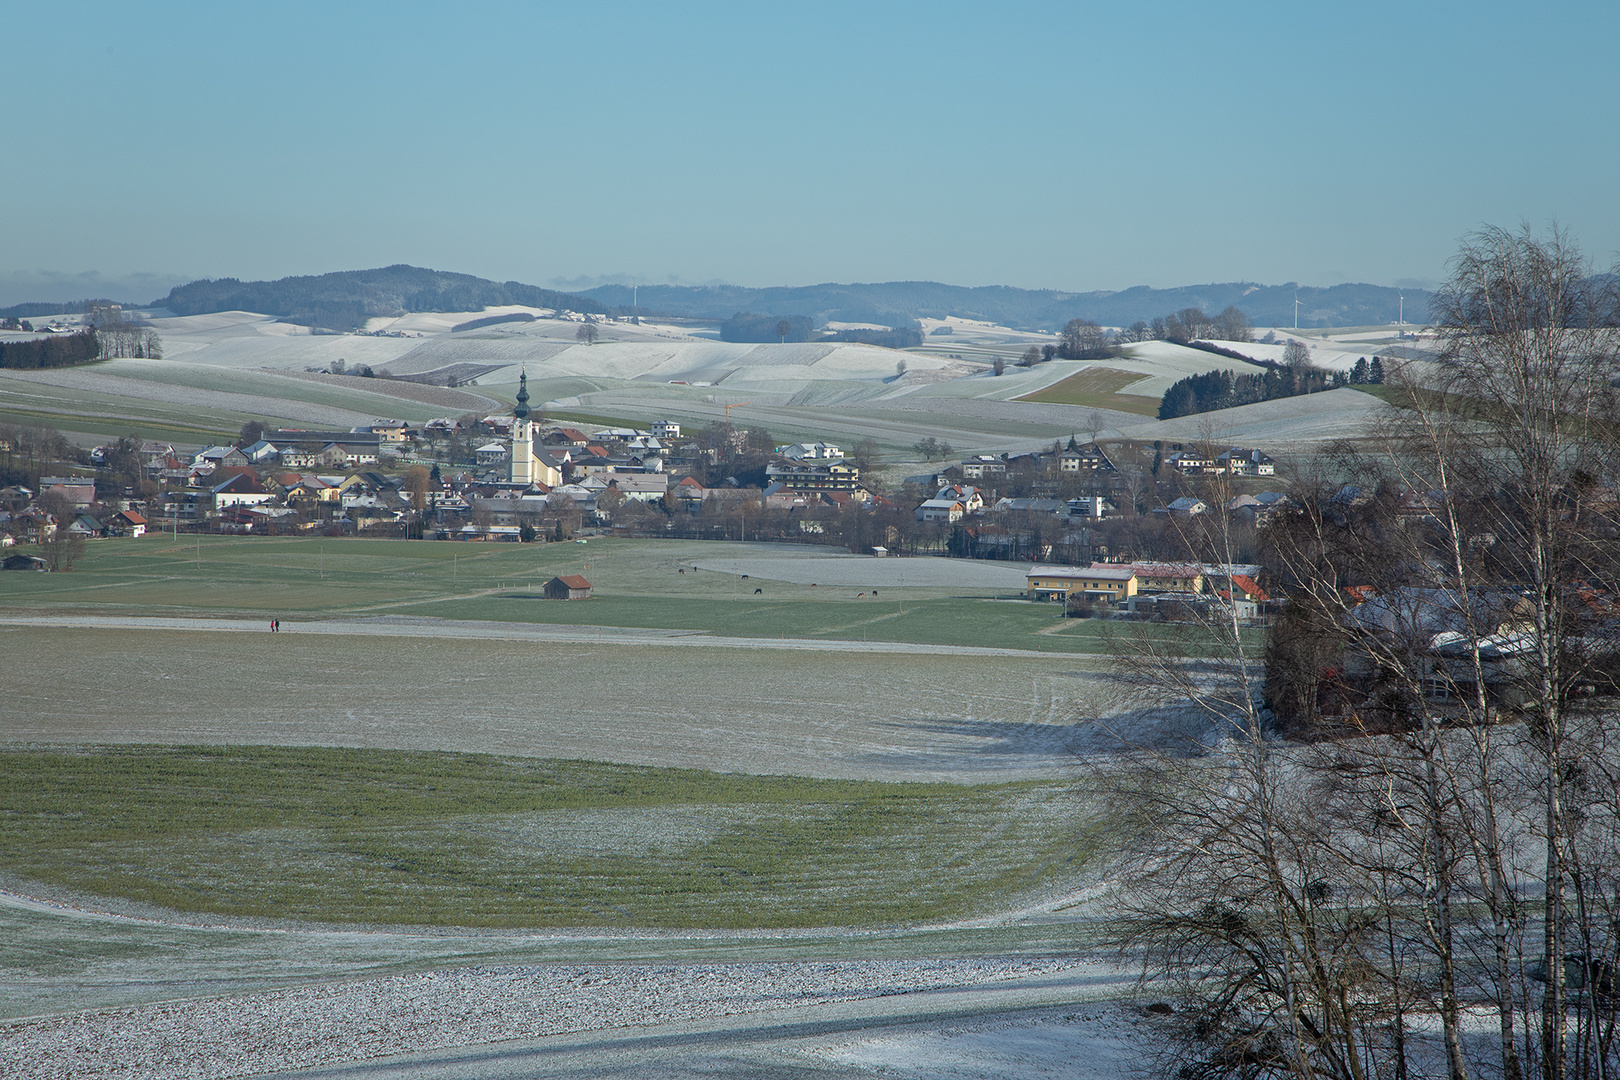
column 1060, row 145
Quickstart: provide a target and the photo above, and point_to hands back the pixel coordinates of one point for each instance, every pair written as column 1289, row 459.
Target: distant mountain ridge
column 347, row 298
column 898, row 302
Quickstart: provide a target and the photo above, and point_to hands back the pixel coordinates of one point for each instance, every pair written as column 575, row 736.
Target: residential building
column 242, row 489
column 1169, row 577
column 80, row 490
column 358, row 447
column 638, row 487
column 1240, row 461
column 971, row 498
column 260, row 452
column 948, row 511
column 127, row 523
column 981, row 466
column 1087, row 458
column 834, row 475
column 1100, row 580
column 1186, row 506
column 817, row 451
column 1091, row 506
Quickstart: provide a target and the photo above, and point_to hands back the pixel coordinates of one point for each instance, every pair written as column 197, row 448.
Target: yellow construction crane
column 734, row 405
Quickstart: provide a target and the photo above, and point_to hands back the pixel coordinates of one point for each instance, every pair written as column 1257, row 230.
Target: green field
column 372, row 836
column 635, row 585
column 1097, row 388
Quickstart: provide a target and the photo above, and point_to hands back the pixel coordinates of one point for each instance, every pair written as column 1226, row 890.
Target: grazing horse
column 758, row 591
column 860, row 596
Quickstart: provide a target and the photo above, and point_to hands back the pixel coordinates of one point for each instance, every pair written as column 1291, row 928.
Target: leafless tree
column 1082, row 336
column 587, row 333
column 62, row 550
column 417, row 484
column 1449, row 834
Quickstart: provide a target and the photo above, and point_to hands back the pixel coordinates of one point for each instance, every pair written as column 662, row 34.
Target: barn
column 567, row 587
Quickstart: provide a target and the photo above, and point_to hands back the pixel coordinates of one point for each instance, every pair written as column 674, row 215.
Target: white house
column 1241, row 461
column 261, row 451
column 977, row 468
column 639, row 487
column 816, row 451
column 946, row 510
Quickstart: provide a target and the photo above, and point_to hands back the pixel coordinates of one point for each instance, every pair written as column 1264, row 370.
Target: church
column 527, row 467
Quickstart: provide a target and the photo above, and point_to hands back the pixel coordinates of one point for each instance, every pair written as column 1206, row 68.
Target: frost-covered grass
column 374, row 836
column 183, row 402
column 41, row 398
column 368, row 397
column 1294, row 422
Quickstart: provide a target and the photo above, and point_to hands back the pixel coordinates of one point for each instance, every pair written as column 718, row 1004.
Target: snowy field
column 237, row 364
column 1287, row 423
column 99, row 381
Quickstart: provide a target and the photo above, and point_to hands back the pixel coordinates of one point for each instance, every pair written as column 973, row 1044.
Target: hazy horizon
column 1046, row 146
column 144, row 288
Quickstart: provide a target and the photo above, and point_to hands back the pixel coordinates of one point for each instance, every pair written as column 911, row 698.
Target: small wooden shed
column 567, row 587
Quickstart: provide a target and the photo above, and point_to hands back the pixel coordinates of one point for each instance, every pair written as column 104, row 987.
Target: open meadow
column 678, row 798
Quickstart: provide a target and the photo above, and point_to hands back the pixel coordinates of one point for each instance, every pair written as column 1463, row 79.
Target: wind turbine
column 1296, row 310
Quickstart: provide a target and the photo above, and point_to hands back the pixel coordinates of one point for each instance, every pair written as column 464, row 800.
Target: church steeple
column 522, row 410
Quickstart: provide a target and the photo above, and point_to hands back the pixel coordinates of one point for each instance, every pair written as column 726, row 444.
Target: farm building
column 567, row 587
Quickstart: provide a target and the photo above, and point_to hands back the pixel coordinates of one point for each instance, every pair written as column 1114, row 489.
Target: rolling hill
column 346, row 299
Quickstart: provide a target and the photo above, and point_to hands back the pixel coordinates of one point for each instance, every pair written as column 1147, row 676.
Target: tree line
column 58, row 350
column 1225, row 389
column 121, row 337
column 1294, row 376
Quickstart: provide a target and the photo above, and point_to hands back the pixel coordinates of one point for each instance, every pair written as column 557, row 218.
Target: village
column 1103, row 528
